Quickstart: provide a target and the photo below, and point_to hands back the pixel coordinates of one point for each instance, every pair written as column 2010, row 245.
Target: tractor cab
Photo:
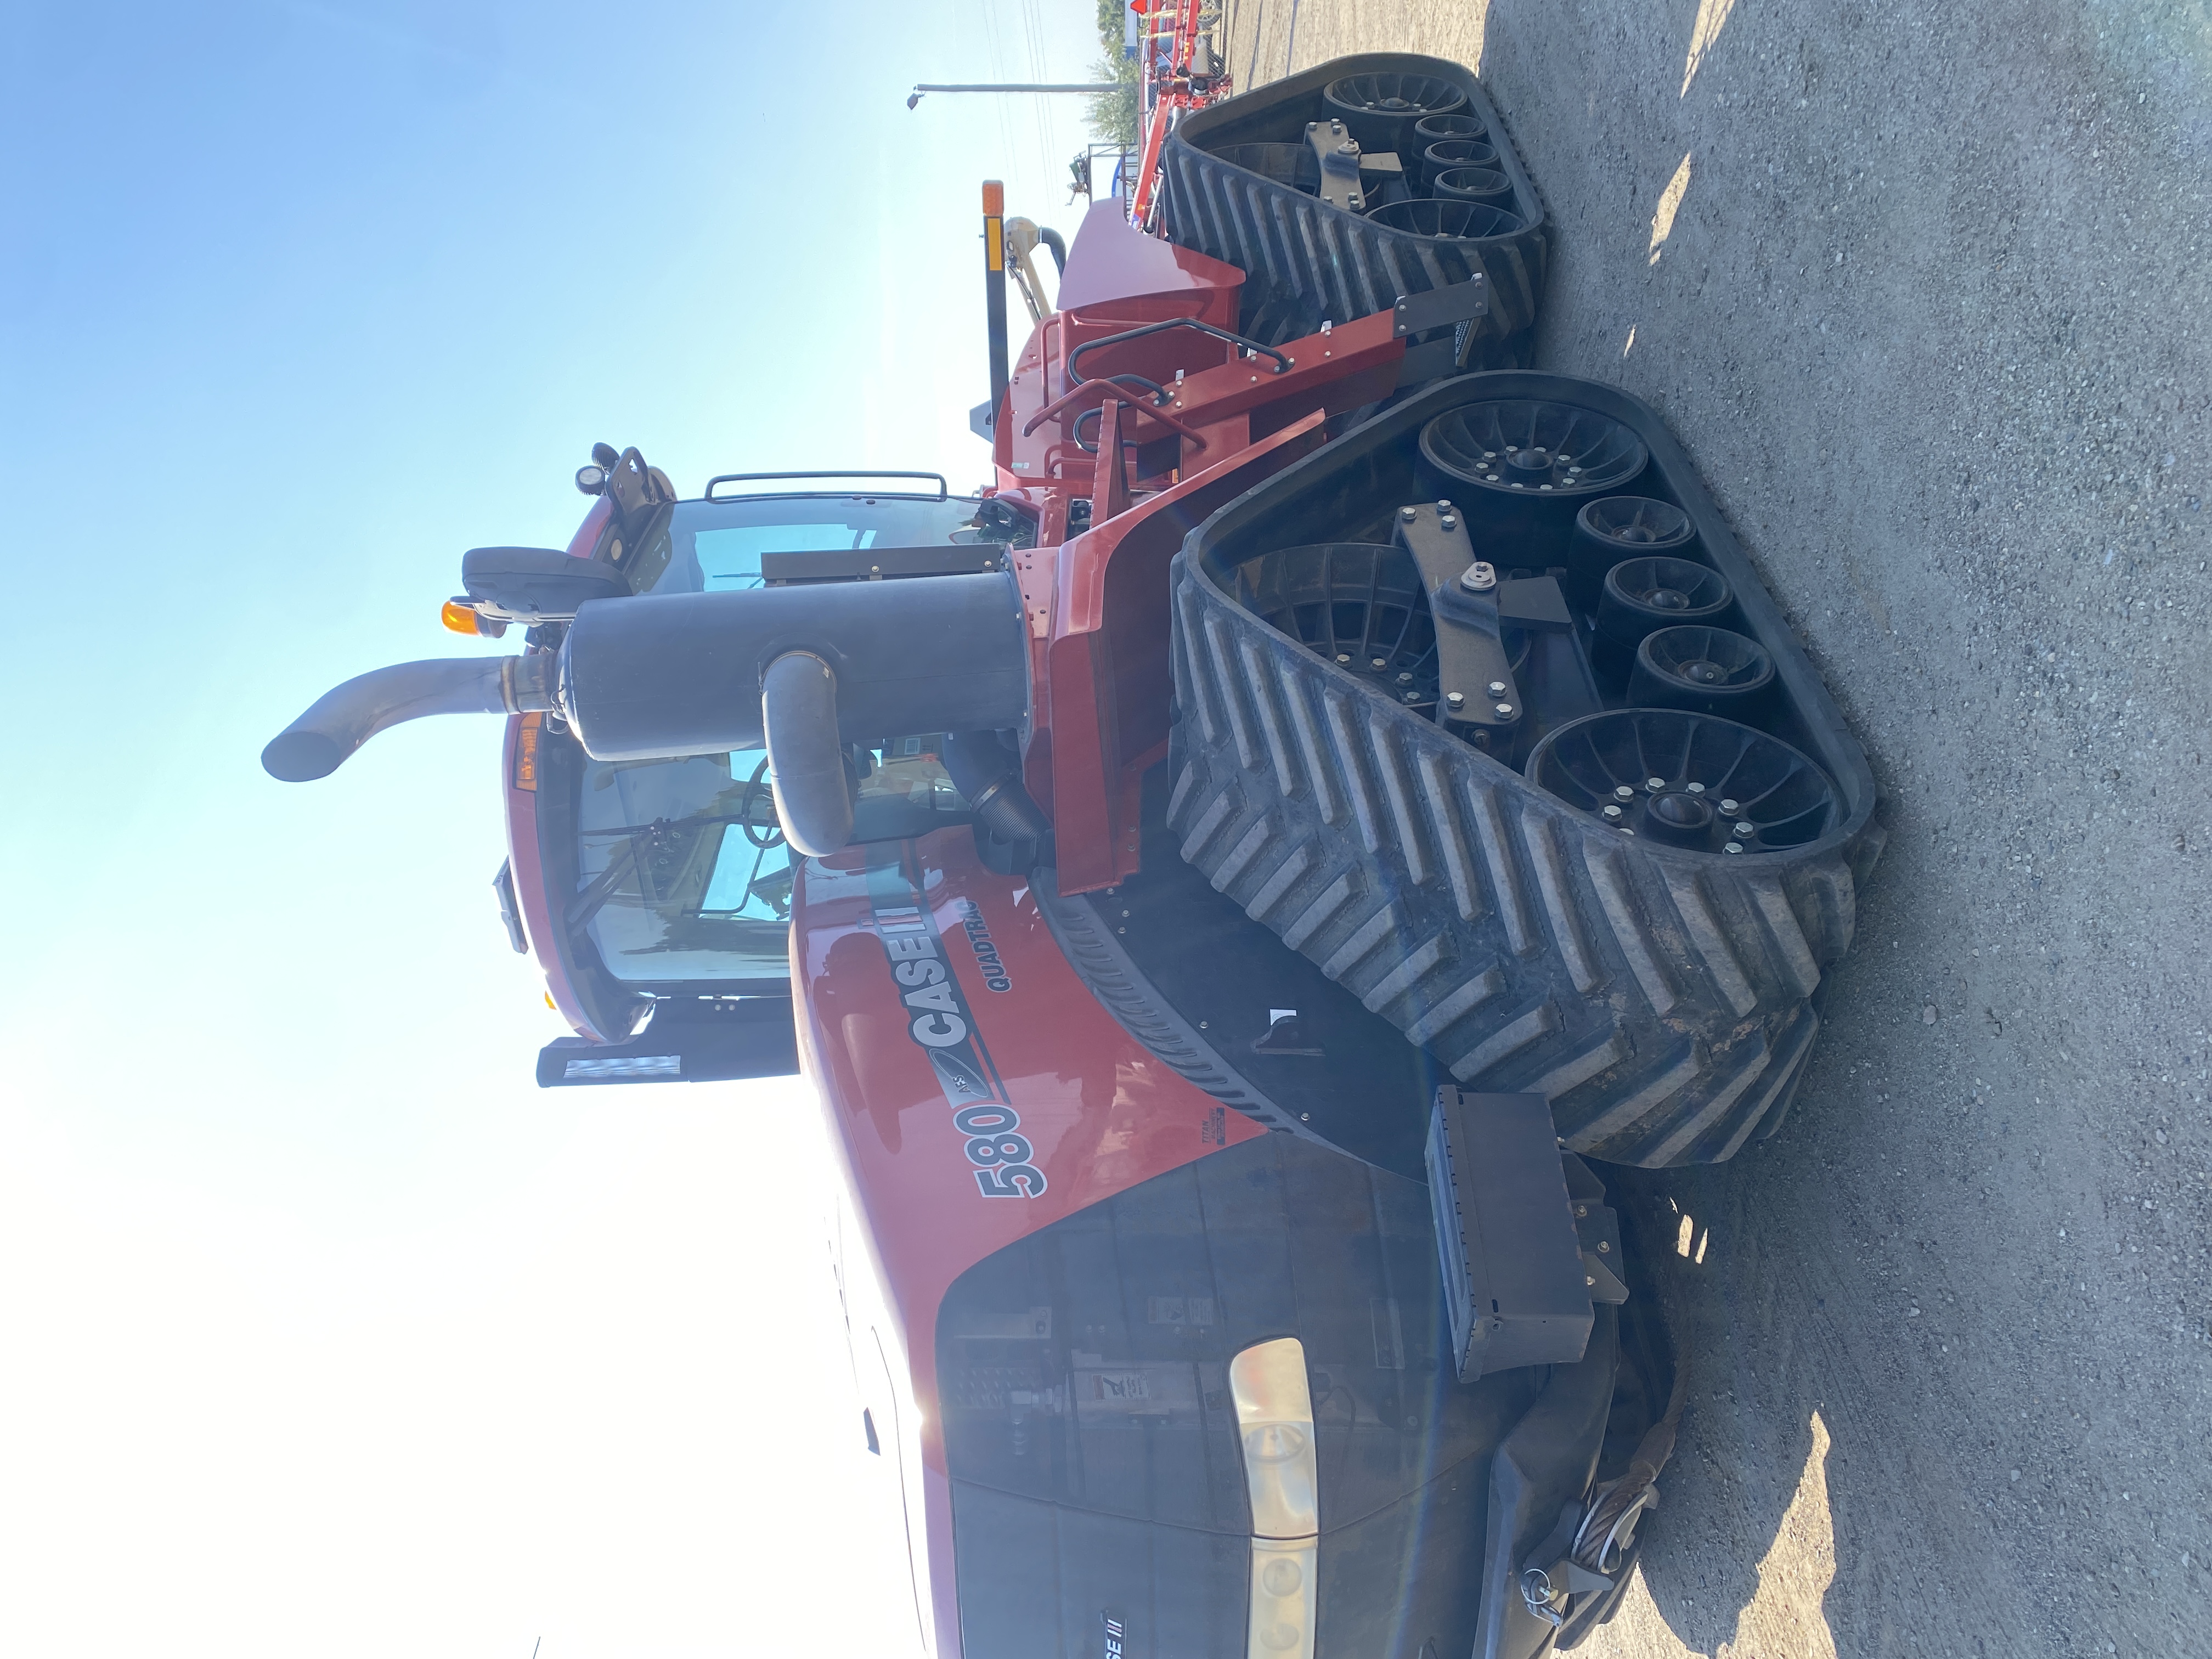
column 656, row 893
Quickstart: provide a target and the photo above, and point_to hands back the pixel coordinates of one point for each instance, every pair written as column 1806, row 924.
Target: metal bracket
column 1429, row 362
column 1534, row 602
column 1437, row 307
column 1471, row 656
column 1597, row 1227
column 1338, row 152
column 874, row 563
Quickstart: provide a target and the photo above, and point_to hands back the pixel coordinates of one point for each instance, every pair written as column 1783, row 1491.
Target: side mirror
column 536, row 584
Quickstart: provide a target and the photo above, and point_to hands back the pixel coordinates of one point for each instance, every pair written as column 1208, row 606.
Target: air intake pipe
column 801, row 670
column 987, row 771
column 805, row 761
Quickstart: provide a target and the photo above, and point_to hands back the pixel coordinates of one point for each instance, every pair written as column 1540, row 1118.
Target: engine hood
column 977, row 1093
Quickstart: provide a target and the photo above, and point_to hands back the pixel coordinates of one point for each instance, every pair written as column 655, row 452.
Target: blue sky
column 329, row 1332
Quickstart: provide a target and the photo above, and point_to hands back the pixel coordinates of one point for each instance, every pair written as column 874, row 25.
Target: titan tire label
column 942, row 1026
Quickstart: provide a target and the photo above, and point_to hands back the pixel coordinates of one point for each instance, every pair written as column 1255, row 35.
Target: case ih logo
column 940, row 1021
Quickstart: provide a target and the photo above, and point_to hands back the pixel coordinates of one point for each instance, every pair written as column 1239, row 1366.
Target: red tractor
column 1234, row 885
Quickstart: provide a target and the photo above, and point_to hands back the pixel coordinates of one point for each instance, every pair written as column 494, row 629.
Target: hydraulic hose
column 989, row 774
column 317, row 743
column 805, row 761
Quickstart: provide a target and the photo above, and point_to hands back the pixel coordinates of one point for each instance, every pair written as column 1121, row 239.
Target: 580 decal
column 1001, row 1156
column 944, row 1026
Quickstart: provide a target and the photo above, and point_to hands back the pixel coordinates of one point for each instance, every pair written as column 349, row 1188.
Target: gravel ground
column 1923, row 291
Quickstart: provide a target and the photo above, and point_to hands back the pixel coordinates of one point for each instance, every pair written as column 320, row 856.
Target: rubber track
column 1306, row 262
column 1662, row 1002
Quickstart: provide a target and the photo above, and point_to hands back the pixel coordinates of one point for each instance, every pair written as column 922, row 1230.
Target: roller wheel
column 1642, row 596
column 1687, row 780
column 1431, row 128
column 1483, row 185
column 1706, row 668
column 1425, row 216
column 1622, row 524
column 1448, row 153
column 1556, row 449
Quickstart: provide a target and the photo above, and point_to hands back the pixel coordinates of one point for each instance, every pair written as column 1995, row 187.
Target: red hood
column 1005, row 1037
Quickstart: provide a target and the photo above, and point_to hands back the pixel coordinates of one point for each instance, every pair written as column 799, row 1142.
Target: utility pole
column 914, row 97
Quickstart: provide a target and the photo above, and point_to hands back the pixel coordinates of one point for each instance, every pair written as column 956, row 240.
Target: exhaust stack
column 317, row 743
column 802, row 670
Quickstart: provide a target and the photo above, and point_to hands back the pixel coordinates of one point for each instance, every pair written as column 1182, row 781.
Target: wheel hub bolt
column 1455, row 698
column 1655, row 785
column 1611, row 814
column 1695, row 788
column 1378, row 662
column 1497, row 688
column 1505, row 711
column 1744, row 831
column 1730, row 808
column 1733, row 847
column 1408, row 514
column 1624, row 793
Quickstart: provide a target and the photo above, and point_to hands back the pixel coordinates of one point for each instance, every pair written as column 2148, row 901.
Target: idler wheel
column 1461, row 220
column 1525, row 446
column 1687, row 780
column 1361, row 606
column 1379, row 108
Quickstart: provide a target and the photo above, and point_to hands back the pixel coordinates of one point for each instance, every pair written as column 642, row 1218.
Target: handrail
column 1106, row 387
column 1075, row 357
column 944, row 490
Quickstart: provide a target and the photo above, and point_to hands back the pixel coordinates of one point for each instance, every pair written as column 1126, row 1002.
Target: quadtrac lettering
column 986, row 953
column 940, row 1021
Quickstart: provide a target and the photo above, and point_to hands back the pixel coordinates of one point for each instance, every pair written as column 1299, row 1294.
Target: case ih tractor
column 1236, row 885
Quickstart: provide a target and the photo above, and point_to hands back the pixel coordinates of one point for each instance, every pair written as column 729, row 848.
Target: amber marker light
column 458, row 617
column 525, row 751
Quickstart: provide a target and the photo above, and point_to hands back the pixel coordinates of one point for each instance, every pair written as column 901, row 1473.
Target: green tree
column 1113, row 115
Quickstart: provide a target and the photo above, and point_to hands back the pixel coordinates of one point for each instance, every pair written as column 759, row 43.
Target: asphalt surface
column 1930, row 307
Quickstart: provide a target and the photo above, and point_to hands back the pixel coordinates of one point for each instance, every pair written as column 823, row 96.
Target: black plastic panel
column 1039, row 1580
column 1200, row 984
column 1085, row 1369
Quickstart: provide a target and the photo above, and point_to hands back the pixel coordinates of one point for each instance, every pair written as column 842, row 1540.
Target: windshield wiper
column 621, row 862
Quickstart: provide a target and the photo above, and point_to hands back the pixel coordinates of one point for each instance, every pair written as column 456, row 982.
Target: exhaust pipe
column 317, row 743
